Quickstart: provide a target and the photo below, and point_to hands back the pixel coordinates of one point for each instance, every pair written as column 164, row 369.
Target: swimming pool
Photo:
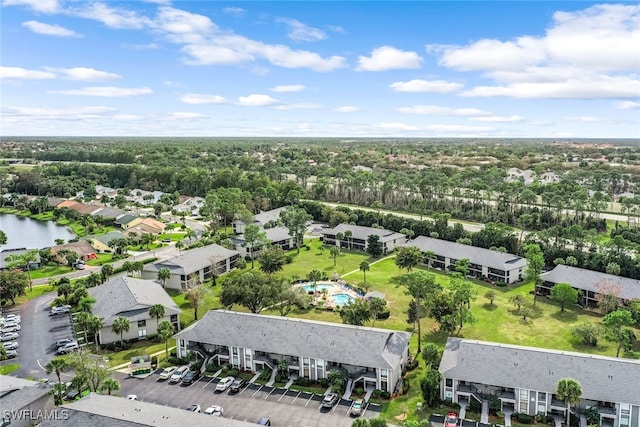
column 342, row 299
column 319, row 287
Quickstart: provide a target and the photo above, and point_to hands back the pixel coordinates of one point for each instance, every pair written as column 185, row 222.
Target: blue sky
column 308, row 69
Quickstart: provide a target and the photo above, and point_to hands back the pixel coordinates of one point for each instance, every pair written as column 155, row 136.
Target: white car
column 9, row 336
column 10, row 327
column 215, row 410
column 11, row 345
column 9, row 318
column 177, row 375
column 68, row 348
column 64, row 309
column 131, row 397
column 224, row 383
column 193, row 408
column 167, row 372
column 11, row 354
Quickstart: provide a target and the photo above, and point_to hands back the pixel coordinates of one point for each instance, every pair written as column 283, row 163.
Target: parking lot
column 283, row 407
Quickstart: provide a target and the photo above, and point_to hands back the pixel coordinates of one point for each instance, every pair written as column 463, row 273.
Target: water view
column 31, row 234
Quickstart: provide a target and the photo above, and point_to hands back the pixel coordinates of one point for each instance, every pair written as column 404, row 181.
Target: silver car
column 9, row 336
column 11, row 345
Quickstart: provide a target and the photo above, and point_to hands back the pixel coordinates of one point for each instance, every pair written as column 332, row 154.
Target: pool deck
column 339, row 287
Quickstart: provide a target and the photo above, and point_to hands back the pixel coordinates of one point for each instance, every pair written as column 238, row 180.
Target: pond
column 23, row 232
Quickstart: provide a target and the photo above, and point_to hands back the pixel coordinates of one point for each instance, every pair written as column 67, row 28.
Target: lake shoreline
column 37, row 236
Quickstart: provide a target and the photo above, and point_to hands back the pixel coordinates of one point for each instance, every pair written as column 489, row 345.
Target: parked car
column 11, row 318
column 167, row 372
column 329, row 400
column 215, row 410
column 193, row 408
column 177, row 375
column 10, row 327
column 451, row 419
column 11, row 345
column 72, row 394
column 224, row 383
column 264, row 421
column 357, row 407
column 11, row 354
column 67, row 348
column 62, row 309
column 237, row 385
column 9, row 336
column 131, row 397
column 63, row 341
column 190, row 377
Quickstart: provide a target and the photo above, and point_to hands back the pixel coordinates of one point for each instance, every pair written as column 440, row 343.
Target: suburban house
column 190, row 206
column 525, row 380
column 108, row 212
column 195, row 265
column 81, row 208
column 101, row 242
column 6, row 253
column 131, row 298
column 483, row 263
column 261, row 219
column 590, row 284
column 124, row 220
column 144, row 197
column 139, row 225
column 99, row 410
column 278, row 236
column 359, row 235
column 371, row 358
column 20, row 397
column 82, row 248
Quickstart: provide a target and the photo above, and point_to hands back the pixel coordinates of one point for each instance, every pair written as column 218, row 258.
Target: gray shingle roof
column 275, row 234
column 106, row 238
column 96, row 410
column 590, row 280
column 194, row 260
column 272, row 215
column 9, row 252
column 16, row 393
column 602, row 378
column 363, row 233
column 125, row 219
column 129, row 297
column 475, row 255
column 108, row 212
column 355, row 345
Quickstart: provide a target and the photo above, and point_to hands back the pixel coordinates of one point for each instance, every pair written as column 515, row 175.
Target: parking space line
column 254, row 393
column 272, row 390
column 309, row 400
column 209, row 382
column 296, row 398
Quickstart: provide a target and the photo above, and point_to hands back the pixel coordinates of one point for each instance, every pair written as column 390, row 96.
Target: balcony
column 558, row 405
column 607, row 411
column 506, row 395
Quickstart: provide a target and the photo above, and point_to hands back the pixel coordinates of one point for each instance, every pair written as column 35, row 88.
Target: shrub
column 358, row 391
column 265, row 374
column 324, row 382
column 384, row 315
column 522, row 418
column 376, row 393
column 500, row 283
column 386, row 395
column 304, row 382
column 289, row 258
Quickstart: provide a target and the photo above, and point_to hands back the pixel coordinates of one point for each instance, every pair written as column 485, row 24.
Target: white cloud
column 422, row 86
column 497, row 119
column 56, row 113
column 200, row 98
column 49, row 29
column 627, row 105
column 128, row 117
column 398, row 126
column 300, row 106
column 45, row 6
column 107, row 91
column 301, row 32
column 585, row 54
column 184, row 27
column 460, row 129
column 112, row 17
column 436, row 110
column 257, row 100
column 386, row 58
column 147, row 46
column 347, row 109
column 235, row 11
column 84, row 74
column 578, row 88
column 24, row 74
column 288, row 88
column 584, row 119
column 186, row 115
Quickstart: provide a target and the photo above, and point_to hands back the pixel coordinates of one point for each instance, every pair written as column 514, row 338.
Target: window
column 319, row 368
column 305, row 367
column 174, row 318
column 625, row 415
column 248, row 363
column 142, row 323
column 142, row 333
column 524, row 401
column 449, row 382
column 542, row 402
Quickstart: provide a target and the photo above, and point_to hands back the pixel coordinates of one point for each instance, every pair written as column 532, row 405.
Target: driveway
column 38, row 335
column 293, row 409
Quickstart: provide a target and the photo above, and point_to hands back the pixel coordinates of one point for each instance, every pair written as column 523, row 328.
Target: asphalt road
column 291, row 409
column 38, row 335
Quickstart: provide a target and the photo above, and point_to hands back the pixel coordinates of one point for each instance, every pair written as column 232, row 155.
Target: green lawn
column 49, row 271
column 139, row 348
column 101, row 260
column 7, row 369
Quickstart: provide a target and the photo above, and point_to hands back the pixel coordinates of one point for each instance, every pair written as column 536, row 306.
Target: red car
column 451, row 420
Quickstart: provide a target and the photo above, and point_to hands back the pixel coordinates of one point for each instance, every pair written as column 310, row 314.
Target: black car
column 190, row 377
column 264, row 421
column 237, row 385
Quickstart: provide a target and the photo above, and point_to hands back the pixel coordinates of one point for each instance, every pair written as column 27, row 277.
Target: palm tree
column 194, row 296
column 3, row 353
column 106, row 271
column 164, row 274
column 570, row 391
column 157, row 311
column 335, row 252
column 364, row 267
column 120, row 326
column 109, row 385
column 57, row 365
column 314, row 276
column 94, row 325
column 348, row 234
column 179, row 245
column 165, row 331
column 190, row 234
